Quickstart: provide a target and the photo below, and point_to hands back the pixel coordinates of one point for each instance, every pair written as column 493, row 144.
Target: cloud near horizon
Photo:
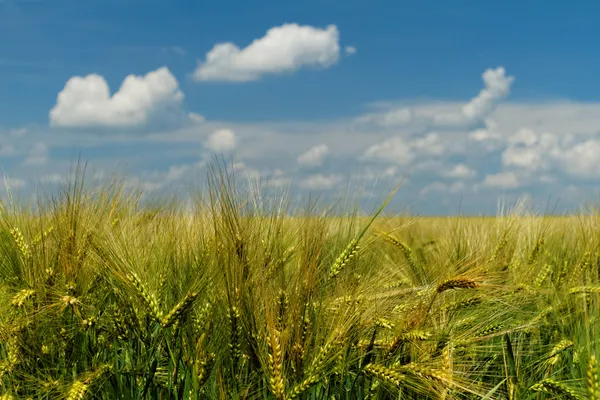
column 481, row 148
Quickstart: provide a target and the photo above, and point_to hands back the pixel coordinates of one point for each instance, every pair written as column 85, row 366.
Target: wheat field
column 242, row 297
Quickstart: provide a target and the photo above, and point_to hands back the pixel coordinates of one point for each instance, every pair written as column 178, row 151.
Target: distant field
column 102, row 299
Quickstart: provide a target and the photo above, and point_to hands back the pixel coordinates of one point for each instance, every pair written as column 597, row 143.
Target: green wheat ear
column 352, row 248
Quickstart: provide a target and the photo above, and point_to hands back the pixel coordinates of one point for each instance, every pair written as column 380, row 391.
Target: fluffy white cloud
column 284, row 48
column 86, row 101
column 528, row 150
column 321, row 181
column 497, row 86
column 221, row 140
column 314, row 156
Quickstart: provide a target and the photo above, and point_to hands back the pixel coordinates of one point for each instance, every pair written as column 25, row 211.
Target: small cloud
column 523, row 136
column 497, row 86
column 502, row 180
column 394, row 150
column 38, row 155
column 18, row 132
column 12, row 183
column 176, row 172
column 197, row 118
column 350, row 50
column 314, row 156
column 321, row 181
column 86, row 101
column 221, row 140
column 7, row 150
column 459, row 171
column 179, row 50
column 430, row 144
column 441, row 187
column 246, row 171
column 284, row 48
column 54, row 178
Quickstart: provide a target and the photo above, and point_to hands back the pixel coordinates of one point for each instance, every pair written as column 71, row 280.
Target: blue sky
column 313, row 95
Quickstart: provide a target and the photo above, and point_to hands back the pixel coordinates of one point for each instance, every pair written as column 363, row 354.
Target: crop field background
column 102, row 298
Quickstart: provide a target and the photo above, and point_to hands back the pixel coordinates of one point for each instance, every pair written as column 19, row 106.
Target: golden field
column 103, row 298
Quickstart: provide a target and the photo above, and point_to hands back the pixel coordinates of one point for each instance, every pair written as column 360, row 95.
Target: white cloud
column 18, row 131
column 523, row 136
column 176, row 172
column 277, row 179
column 350, row 50
column 7, row 150
column 246, row 171
column 448, row 116
column 197, row 118
column 86, row 101
column 314, row 156
column 321, row 181
column 394, row 150
column 430, row 144
column 459, row 171
column 502, row 180
column 12, row 183
column 284, row 48
column 441, row 187
column 497, row 86
column 54, row 178
column 524, row 157
column 581, row 160
column 38, row 154
column 221, row 140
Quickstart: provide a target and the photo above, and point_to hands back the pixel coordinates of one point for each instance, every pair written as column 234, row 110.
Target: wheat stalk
column 593, row 378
